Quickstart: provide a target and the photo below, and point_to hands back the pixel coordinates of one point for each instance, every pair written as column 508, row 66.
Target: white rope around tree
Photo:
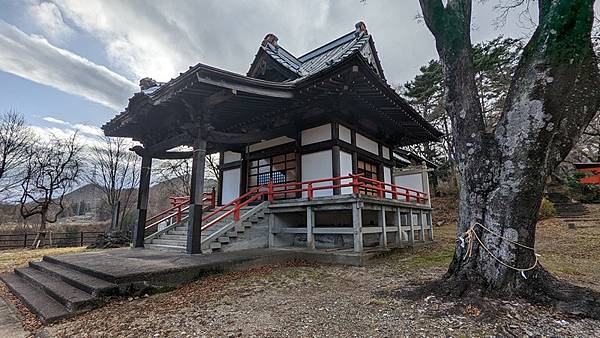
column 470, row 234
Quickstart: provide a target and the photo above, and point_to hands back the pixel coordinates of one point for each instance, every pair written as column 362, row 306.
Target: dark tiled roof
column 320, row 58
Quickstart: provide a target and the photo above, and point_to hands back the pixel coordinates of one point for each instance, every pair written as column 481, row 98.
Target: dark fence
column 53, row 239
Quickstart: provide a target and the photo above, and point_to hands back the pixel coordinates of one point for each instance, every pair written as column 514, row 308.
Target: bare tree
column 213, row 170
column 50, row 172
column 554, row 94
column 113, row 169
column 15, row 138
column 177, row 173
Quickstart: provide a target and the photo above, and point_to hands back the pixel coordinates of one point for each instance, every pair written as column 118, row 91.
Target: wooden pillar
column 335, row 156
column 398, row 223
column 310, row 223
column 271, row 230
column 243, row 173
column 142, row 202
column 411, row 233
column 430, row 221
column 382, row 221
column 194, row 240
column 357, row 226
column 220, row 178
column 422, row 225
column 354, row 153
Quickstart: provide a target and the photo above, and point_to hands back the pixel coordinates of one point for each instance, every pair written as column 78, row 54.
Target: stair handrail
column 218, row 233
column 175, row 211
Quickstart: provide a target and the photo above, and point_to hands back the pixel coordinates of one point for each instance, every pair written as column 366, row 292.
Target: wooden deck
column 344, row 221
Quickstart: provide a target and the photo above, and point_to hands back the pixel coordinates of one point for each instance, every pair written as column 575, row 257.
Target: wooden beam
column 219, row 97
column 221, row 137
column 277, row 93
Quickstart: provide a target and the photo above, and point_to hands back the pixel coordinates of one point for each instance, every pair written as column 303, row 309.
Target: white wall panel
column 387, row 178
column 315, row 166
column 345, row 169
column 386, row 152
column 316, row 134
column 230, row 156
column 345, row 134
column 412, row 181
column 367, row 144
column 231, row 185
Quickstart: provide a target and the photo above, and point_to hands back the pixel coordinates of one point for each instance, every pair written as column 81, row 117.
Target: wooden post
column 310, row 223
column 430, row 222
column 194, row 239
column 142, row 202
column 382, row 221
column 357, row 226
column 412, row 229
column 25, row 241
column 271, row 230
column 398, row 223
column 422, row 225
column 81, row 241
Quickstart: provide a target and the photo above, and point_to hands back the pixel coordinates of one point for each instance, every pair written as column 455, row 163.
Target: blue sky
column 71, row 64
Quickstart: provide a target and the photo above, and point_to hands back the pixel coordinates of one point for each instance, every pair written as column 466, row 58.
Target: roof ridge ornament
column 147, row 83
column 360, row 28
column 270, row 38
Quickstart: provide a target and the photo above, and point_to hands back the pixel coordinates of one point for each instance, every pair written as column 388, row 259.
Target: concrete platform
column 65, row 285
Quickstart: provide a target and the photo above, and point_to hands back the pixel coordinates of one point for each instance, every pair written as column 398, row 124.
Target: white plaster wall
column 345, row 134
column 367, row 144
column 315, row 166
column 386, row 152
column 345, row 169
column 387, row 178
column 269, row 143
column 412, row 181
column 316, row 134
column 231, row 185
column 230, row 156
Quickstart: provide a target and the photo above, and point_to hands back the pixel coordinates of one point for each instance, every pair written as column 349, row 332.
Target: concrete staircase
column 564, row 206
column 54, row 291
column 215, row 238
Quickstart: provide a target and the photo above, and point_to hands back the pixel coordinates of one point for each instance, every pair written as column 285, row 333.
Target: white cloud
column 54, row 120
column 79, row 127
column 34, row 58
column 49, row 19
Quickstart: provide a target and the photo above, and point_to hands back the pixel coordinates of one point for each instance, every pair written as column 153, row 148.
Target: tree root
column 541, row 288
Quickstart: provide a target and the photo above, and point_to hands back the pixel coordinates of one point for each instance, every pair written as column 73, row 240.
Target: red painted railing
column 355, row 181
column 179, row 205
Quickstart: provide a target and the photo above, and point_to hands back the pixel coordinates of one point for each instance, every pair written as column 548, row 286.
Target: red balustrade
column 354, row 181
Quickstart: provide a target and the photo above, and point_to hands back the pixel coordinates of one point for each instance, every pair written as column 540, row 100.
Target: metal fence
column 53, row 239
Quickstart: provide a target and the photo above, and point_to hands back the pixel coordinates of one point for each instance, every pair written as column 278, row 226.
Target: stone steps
column 176, row 238
column 53, row 291
column 72, row 298
column 87, row 283
column 40, row 303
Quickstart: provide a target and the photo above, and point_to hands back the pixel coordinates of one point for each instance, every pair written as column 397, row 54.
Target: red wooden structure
column 355, row 181
column 593, row 168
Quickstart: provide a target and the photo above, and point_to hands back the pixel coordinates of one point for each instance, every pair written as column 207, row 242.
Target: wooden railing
column 52, row 239
column 356, row 182
column 179, row 206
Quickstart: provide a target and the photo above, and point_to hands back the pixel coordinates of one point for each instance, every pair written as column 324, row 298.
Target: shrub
column 546, row 209
column 584, row 193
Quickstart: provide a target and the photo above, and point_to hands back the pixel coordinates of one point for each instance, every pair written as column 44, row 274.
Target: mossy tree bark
column 554, row 94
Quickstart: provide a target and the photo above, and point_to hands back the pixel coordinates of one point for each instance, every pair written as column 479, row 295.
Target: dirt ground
column 299, row 300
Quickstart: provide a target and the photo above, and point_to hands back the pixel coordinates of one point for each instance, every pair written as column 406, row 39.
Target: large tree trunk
column 554, row 95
